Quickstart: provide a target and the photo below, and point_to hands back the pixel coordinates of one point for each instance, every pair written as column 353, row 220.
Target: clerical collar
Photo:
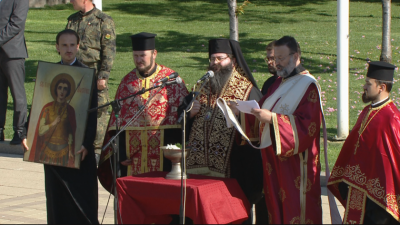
column 377, row 104
column 70, row 63
column 296, row 71
column 88, row 12
column 150, row 73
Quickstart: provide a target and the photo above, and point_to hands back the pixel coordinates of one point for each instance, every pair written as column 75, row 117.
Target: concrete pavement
column 22, row 196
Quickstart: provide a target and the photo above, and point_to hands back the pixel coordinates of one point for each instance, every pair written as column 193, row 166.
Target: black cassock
column 72, row 194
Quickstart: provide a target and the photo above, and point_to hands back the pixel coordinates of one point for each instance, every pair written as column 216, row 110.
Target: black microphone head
column 173, row 75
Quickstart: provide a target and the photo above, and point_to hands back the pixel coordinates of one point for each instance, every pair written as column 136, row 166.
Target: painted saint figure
column 55, row 133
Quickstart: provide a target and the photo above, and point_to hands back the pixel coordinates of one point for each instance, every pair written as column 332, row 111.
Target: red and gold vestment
column 292, row 163
column 145, row 135
column 369, row 163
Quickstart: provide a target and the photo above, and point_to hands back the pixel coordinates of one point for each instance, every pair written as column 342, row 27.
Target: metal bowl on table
column 175, row 155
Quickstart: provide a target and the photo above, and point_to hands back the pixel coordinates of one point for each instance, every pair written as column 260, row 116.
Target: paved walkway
column 22, row 196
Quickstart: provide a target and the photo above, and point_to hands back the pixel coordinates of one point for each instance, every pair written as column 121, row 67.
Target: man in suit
column 12, row 63
column 72, row 194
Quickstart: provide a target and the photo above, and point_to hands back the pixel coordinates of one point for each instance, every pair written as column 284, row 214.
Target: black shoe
column 2, row 134
column 16, row 139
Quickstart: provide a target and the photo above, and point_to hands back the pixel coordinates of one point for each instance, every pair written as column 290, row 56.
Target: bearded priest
column 289, row 126
column 216, row 150
column 139, row 144
column 366, row 176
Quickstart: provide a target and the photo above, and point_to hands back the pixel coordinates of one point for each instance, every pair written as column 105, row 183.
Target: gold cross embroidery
column 357, row 145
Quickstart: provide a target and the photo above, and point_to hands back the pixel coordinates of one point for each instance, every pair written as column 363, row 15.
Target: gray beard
column 220, row 78
column 285, row 72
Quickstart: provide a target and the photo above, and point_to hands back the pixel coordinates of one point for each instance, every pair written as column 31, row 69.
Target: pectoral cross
column 357, row 145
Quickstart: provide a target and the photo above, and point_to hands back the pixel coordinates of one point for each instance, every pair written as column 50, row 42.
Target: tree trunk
column 233, row 21
column 386, row 54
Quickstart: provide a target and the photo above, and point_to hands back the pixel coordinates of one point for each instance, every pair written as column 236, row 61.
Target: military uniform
column 97, row 49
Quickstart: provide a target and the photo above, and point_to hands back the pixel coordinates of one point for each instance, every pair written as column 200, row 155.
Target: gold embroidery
column 211, row 141
column 295, row 220
column 153, row 142
column 277, row 134
column 269, row 218
column 285, row 119
column 356, row 199
column 135, row 143
column 375, row 188
column 281, row 158
column 297, row 184
column 316, row 161
column 337, row 172
column 393, row 202
column 311, row 129
column 354, row 173
column 268, row 168
column 289, row 153
column 313, row 96
column 282, row 195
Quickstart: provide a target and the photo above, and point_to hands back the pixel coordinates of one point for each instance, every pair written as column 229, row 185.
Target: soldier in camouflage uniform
column 97, row 50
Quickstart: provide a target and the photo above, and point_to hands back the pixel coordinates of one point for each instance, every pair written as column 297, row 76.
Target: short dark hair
column 270, row 46
column 289, row 42
column 389, row 84
column 63, row 81
column 67, row 31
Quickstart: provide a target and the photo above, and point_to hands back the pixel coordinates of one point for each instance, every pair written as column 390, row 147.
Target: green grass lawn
column 184, row 28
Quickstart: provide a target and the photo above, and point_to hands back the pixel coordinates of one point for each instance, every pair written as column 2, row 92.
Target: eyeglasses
column 267, row 60
column 281, row 59
column 218, row 59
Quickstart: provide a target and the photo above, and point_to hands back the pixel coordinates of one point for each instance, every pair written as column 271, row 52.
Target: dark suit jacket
column 12, row 25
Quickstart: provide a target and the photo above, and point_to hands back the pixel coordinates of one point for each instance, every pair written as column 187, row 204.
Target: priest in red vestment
column 290, row 119
column 139, row 145
column 366, row 176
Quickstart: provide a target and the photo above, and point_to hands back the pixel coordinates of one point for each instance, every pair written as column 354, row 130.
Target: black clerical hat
column 228, row 46
column 143, row 41
column 220, row 45
column 381, row 71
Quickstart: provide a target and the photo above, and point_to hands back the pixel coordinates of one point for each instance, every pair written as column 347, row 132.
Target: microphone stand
column 183, row 117
column 115, row 140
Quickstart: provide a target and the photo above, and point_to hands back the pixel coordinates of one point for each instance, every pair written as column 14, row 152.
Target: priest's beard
column 366, row 98
column 272, row 69
column 221, row 76
column 286, row 71
column 146, row 69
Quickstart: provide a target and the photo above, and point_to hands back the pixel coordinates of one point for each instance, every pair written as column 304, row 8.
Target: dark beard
column 272, row 70
column 221, row 76
column 366, row 99
column 147, row 68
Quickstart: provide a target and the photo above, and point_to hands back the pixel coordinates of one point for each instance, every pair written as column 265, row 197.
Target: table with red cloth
column 150, row 198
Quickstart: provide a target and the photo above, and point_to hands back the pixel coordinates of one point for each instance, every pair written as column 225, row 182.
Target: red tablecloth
column 150, row 198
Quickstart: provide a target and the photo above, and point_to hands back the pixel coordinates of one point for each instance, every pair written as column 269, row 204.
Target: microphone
column 167, row 78
column 177, row 80
column 209, row 74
